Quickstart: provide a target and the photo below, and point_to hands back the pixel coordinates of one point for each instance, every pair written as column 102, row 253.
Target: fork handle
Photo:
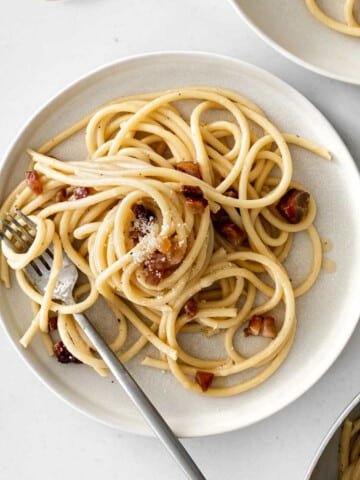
column 147, row 409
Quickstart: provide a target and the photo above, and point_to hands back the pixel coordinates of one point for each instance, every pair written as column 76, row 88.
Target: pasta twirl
column 181, row 222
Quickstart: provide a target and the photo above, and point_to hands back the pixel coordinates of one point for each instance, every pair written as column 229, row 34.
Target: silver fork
column 18, row 236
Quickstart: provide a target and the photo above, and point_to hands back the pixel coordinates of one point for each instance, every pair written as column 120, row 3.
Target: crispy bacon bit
column 233, row 234
column 141, row 226
column 32, row 180
column 293, row 206
column 160, row 265
column 254, row 327
column 220, row 218
column 155, row 268
column 63, row 354
column 228, row 229
column 61, row 195
column 142, row 213
column 191, row 168
column 176, row 254
column 53, row 323
column 191, row 308
column 268, row 330
column 204, row 379
column 194, row 198
column 164, row 244
column 81, row 192
column 263, row 326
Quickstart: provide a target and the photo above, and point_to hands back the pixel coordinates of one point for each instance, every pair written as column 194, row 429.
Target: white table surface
column 45, row 45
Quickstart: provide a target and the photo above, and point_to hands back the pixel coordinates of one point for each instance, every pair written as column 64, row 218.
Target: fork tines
column 21, row 238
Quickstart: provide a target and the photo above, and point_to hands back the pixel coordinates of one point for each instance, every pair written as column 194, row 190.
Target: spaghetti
column 349, row 452
column 181, row 222
column 351, row 27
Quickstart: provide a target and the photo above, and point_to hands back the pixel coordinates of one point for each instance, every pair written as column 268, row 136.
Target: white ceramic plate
column 327, row 315
column 325, row 462
column 292, row 30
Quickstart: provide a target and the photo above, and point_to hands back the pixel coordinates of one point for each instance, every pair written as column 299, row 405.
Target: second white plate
column 326, row 315
column 290, row 28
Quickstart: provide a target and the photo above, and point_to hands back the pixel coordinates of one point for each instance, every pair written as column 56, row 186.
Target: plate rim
column 286, row 53
column 345, row 412
column 129, row 424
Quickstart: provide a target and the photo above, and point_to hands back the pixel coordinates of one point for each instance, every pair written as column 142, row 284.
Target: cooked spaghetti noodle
column 174, row 220
column 349, row 451
column 351, row 27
